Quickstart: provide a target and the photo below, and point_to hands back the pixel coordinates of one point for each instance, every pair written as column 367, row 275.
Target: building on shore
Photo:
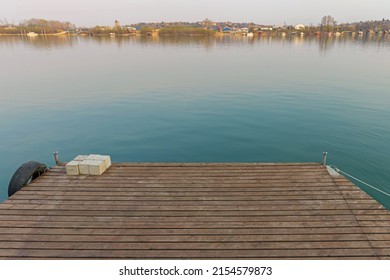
column 299, row 27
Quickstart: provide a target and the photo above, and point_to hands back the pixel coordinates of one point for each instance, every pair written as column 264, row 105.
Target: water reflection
column 324, row 43
column 42, row 42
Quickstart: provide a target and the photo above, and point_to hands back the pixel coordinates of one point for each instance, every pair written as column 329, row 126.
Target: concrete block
column 72, row 168
column 96, row 167
column 106, row 159
column 93, row 164
column 92, row 157
column 84, row 166
column 80, row 158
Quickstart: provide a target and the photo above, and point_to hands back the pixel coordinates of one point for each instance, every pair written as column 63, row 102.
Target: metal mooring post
column 324, row 155
column 56, row 158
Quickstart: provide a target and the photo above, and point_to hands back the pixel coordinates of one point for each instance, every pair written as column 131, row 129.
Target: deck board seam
column 356, row 219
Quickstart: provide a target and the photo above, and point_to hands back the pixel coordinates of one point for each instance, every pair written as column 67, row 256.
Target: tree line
column 329, row 24
column 43, row 26
column 37, row 25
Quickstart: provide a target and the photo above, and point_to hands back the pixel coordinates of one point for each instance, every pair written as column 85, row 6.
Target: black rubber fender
column 24, row 175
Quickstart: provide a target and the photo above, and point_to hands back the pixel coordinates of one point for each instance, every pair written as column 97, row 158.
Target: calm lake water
column 225, row 99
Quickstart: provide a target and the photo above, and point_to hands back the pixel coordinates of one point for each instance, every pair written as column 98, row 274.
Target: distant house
column 215, row 28
column 131, row 28
column 227, row 29
column 299, row 27
column 32, row 34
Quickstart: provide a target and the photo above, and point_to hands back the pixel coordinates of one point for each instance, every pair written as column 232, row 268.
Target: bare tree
column 328, row 23
column 207, row 22
column 4, row 22
column 48, row 25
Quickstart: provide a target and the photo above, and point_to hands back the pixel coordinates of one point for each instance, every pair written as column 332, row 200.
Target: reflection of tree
column 325, row 43
column 206, row 42
column 44, row 42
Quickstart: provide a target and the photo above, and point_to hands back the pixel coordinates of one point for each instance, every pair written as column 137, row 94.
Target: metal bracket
column 324, row 155
column 56, row 158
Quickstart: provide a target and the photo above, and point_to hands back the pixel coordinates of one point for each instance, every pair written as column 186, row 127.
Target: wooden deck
column 194, row 211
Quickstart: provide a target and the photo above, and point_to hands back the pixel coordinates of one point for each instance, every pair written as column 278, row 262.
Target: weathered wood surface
column 194, row 211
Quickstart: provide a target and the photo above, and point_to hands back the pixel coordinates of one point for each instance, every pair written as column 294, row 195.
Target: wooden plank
column 189, row 229
column 188, row 246
column 379, row 237
column 290, row 226
column 92, row 196
column 189, row 203
column 185, row 181
column 206, row 172
column 217, row 164
column 188, row 253
column 275, row 221
column 14, row 200
column 147, row 207
column 378, row 229
column 365, row 204
column 221, row 221
column 147, row 168
column 175, row 176
column 204, row 214
column 54, row 235
column 124, row 184
column 279, row 233
column 203, row 188
column 187, row 193
column 373, row 218
column 381, row 244
column 374, row 212
column 224, row 172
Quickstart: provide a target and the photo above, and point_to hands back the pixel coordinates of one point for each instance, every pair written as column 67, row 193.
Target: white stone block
column 96, row 167
column 92, row 157
column 80, row 158
column 72, row 168
column 84, row 166
column 93, row 164
column 106, row 159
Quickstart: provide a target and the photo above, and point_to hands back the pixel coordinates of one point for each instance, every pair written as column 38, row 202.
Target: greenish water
column 225, row 99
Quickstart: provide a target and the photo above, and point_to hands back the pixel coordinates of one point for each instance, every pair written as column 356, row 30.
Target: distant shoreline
column 328, row 26
column 268, row 34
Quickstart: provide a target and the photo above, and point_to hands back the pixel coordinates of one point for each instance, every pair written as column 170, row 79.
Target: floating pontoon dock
column 194, row 211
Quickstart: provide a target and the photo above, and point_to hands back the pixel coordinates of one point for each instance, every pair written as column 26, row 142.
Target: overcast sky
column 104, row 12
